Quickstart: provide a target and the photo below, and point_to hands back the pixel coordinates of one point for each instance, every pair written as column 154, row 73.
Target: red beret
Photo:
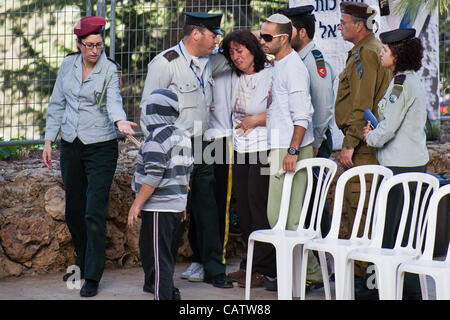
column 88, row 25
column 357, row 9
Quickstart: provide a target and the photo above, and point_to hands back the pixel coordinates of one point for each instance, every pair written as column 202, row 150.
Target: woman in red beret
column 85, row 107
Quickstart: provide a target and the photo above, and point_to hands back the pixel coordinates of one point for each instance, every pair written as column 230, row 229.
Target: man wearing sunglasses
column 290, row 133
column 322, row 76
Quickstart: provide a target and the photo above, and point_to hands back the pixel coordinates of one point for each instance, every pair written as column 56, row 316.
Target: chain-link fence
column 444, row 64
column 36, row 35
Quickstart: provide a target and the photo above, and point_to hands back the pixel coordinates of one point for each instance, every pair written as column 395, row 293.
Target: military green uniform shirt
column 361, row 85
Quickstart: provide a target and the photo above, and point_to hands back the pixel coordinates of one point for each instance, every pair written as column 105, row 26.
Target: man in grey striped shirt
column 161, row 181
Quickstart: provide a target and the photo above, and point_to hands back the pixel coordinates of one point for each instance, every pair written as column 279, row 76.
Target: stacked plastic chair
column 387, row 260
column 425, row 265
column 339, row 248
column 288, row 243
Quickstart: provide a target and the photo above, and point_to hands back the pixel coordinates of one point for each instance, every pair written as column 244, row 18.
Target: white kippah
column 278, row 18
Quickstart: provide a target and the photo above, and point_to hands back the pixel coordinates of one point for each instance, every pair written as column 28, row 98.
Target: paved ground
column 126, row 284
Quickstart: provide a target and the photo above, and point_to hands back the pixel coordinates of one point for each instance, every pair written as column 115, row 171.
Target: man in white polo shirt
column 290, row 133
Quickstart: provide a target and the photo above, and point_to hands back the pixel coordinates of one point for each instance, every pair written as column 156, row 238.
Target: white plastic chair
column 339, row 248
column 425, row 265
column 288, row 243
column 387, row 260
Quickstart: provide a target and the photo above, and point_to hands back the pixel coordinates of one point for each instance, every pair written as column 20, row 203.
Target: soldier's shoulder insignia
column 359, row 64
column 359, row 67
column 116, row 63
column 393, row 97
column 398, row 87
column 171, row 55
column 320, row 63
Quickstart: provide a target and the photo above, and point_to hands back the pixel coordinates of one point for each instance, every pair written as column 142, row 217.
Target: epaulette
column 320, row 63
column 399, row 79
column 72, row 53
column 119, row 71
column 119, row 68
column 398, row 87
column 171, row 55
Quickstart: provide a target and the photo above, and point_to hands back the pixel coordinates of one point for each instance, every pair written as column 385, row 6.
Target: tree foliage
column 143, row 29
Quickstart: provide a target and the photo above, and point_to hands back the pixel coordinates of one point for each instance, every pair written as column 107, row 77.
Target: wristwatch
column 292, row 151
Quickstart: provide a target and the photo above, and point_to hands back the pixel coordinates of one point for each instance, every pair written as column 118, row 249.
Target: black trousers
column 87, row 172
column 204, row 234
column 221, row 172
column 155, row 245
column 251, row 191
column 221, row 167
column 325, row 150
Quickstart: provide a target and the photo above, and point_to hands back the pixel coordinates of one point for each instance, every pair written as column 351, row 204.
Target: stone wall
column 34, row 237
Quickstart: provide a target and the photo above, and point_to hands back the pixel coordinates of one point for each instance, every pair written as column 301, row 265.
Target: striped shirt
column 165, row 158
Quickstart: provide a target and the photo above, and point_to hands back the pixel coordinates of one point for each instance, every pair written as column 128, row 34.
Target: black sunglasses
column 268, row 37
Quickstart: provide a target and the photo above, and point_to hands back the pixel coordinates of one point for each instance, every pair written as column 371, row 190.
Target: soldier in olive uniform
column 187, row 69
column 361, row 85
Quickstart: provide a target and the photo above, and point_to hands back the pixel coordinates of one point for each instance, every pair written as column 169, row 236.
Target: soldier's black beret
column 206, row 20
column 397, row 35
column 297, row 11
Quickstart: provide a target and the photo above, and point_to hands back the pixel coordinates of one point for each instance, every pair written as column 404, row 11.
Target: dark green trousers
column 204, row 216
column 87, row 172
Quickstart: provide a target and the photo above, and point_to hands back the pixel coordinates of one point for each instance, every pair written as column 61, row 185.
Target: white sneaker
column 194, row 267
column 197, row 276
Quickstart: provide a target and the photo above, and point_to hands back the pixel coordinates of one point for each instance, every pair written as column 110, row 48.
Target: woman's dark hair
column 407, row 55
column 248, row 40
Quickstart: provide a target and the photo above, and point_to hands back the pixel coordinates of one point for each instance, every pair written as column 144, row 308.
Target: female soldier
column 85, row 105
column 400, row 136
